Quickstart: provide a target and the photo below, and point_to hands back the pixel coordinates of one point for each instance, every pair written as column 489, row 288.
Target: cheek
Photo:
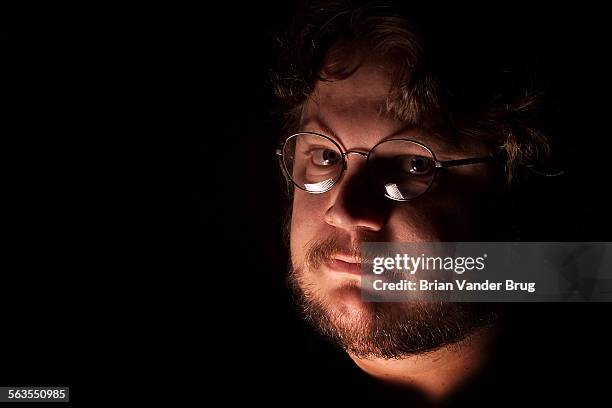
column 417, row 222
column 307, row 218
column 432, row 218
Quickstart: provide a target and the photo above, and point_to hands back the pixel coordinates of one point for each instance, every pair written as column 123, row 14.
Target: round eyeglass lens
column 403, row 169
column 313, row 162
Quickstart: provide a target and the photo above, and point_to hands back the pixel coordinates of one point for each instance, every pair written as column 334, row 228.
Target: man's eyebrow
column 431, row 139
column 409, row 131
column 320, row 126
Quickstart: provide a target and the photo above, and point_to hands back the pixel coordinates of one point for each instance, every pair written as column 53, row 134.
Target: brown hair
column 325, row 40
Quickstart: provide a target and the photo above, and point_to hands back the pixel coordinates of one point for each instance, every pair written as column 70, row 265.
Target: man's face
column 326, row 229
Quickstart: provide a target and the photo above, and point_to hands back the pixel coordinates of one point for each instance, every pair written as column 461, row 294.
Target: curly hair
column 327, row 41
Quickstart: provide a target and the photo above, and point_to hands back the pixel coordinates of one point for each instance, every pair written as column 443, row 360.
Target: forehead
column 351, row 103
column 353, row 112
column 364, row 90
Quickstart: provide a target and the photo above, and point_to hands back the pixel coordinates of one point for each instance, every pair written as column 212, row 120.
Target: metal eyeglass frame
column 439, row 164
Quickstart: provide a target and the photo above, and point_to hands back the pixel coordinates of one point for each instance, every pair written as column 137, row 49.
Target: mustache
column 321, row 251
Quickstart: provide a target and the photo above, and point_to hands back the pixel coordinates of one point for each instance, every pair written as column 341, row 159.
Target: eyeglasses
column 402, row 169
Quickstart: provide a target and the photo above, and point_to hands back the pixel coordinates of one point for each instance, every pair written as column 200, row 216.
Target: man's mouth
column 345, row 264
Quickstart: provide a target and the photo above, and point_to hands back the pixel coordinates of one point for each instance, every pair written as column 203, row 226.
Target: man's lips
column 346, row 264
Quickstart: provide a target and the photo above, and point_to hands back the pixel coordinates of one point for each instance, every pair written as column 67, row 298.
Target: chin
column 334, row 298
column 345, row 303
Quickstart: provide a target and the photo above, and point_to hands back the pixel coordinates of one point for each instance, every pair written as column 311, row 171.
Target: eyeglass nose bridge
column 345, row 154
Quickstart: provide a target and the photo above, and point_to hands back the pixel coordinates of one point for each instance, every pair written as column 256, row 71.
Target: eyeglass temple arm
column 463, row 162
column 279, row 153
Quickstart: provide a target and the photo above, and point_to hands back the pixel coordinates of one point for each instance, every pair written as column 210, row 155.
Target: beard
column 380, row 330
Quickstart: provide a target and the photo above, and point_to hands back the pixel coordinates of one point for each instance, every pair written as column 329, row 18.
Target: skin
column 436, row 374
column 349, row 111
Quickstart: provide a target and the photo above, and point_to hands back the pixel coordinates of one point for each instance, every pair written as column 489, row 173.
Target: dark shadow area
column 146, row 206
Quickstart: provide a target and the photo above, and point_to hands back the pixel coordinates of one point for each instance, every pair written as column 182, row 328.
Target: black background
column 140, row 176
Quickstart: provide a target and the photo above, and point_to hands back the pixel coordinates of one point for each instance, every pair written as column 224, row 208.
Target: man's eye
column 417, row 165
column 325, row 157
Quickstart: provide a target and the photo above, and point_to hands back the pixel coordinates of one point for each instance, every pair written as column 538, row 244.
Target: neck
column 435, row 374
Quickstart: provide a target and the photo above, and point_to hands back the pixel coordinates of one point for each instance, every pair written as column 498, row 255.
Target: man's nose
column 354, row 204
